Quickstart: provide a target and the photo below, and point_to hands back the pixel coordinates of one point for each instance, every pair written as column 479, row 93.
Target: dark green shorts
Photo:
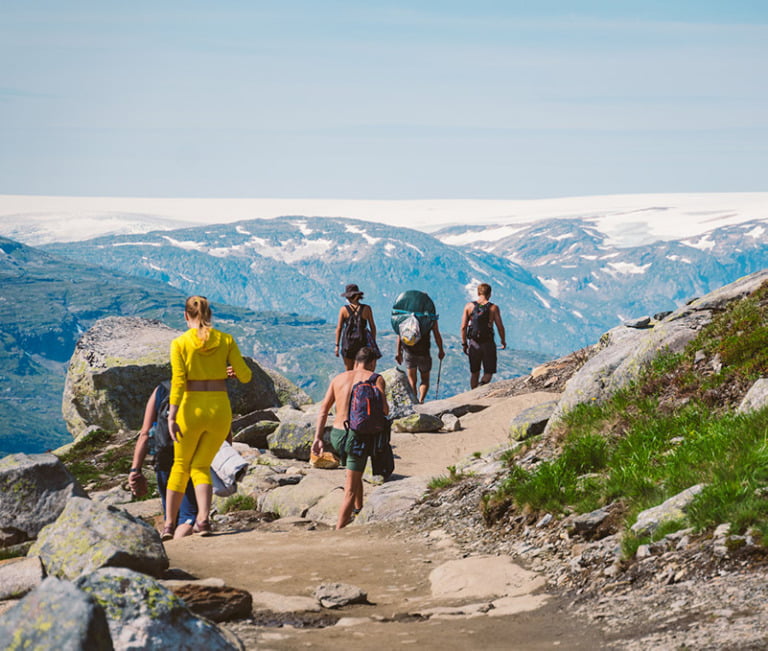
column 343, row 449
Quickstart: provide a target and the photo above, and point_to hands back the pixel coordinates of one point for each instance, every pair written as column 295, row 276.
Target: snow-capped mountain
column 301, row 265
column 627, row 220
column 583, row 266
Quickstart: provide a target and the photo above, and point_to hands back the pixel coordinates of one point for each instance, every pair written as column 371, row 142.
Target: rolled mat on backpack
column 416, row 303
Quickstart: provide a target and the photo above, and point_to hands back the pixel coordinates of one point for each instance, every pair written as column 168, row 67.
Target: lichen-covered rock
column 531, row 421
column 88, row 536
column 116, row 365
column 298, row 498
column 256, row 434
column 392, row 500
column 418, row 423
column 756, row 398
column 400, row 396
column 34, row 489
column 56, row 615
column 143, row 614
column 293, row 439
column 671, row 510
column 18, row 576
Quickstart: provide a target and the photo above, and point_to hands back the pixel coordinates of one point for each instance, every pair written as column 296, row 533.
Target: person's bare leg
column 172, row 505
column 353, row 495
column 473, row 379
column 423, row 387
column 349, row 363
column 182, row 530
column 486, row 378
column 412, row 379
column 204, row 496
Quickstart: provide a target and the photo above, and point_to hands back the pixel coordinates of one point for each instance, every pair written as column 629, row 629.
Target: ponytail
column 198, row 308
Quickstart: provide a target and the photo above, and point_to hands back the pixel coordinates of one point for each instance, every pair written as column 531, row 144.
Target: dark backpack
column 479, row 327
column 366, row 408
column 163, row 444
column 354, row 330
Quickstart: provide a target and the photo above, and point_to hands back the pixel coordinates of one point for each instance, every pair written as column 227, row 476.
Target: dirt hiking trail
column 422, row 592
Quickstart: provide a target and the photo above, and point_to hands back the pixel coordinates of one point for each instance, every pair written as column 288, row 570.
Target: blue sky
column 385, row 100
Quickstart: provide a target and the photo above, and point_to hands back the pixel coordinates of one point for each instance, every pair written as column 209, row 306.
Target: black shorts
column 482, row 353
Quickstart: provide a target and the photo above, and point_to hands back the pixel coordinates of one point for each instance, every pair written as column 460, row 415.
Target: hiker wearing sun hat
column 355, row 327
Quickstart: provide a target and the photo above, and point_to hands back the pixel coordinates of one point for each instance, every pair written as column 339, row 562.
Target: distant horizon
column 629, row 219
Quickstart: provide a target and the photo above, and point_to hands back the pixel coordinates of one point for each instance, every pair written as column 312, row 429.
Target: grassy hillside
column 674, row 428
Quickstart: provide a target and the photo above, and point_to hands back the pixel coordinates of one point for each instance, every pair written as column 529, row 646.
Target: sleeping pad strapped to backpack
column 416, row 303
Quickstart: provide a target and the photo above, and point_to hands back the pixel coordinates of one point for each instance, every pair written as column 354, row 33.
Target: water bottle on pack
column 152, row 440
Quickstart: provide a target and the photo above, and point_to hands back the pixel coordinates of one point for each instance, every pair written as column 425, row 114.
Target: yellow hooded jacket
column 195, row 359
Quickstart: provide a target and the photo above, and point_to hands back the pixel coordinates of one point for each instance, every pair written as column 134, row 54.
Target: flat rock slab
column 483, row 577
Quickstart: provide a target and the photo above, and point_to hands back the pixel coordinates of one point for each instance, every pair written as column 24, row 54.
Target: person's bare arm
column 382, row 386
column 464, row 323
column 136, row 480
column 339, row 326
column 438, row 340
column 499, row 325
column 369, row 318
column 322, row 418
column 399, row 351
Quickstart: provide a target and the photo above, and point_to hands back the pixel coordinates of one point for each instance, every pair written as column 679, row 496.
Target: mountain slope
column 581, row 266
column 297, row 264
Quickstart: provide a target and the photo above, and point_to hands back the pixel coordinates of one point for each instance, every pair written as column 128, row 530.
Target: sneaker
column 203, row 528
column 168, row 531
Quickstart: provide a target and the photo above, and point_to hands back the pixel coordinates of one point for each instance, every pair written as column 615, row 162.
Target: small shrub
column 239, row 503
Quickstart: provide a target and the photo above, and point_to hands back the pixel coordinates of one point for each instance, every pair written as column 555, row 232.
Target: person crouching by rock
column 200, row 414
column 343, row 440
column 163, row 460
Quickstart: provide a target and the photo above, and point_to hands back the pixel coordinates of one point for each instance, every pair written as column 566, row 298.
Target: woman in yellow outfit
column 200, row 415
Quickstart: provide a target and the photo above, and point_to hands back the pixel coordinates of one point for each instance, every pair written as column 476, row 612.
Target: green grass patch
column 239, row 503
column 674, row 428
column 445, row 481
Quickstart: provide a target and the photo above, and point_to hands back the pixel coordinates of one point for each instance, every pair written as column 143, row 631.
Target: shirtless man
column 338, row 393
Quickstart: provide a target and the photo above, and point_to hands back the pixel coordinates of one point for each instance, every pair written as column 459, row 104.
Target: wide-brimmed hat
column 352, row 291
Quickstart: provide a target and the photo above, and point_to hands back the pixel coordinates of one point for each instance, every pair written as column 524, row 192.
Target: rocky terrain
column 424, row 563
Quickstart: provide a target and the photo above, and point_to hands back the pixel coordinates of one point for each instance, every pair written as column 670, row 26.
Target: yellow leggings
column 205, row 418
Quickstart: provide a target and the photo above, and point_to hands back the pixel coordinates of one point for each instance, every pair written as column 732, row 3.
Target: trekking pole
column 437, row 388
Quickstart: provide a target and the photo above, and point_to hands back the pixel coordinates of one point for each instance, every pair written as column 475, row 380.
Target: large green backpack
column 416, row 303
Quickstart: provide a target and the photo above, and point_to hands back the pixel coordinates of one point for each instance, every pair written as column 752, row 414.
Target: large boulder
column 119, row 361
column 18, row 576
column 88, row 536
column 532, row 421
column 293, row 437
column 299, row 498
column 116, row 365
column 400, row 396
column 392, row 500
column 56, row 616
column 624, row 352
column 143, row 614
column 34, row 489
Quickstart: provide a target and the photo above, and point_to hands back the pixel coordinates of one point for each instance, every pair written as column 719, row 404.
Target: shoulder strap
column 373, row 378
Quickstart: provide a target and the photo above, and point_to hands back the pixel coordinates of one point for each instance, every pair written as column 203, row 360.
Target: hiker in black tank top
column 354, row 327
column 477, row 341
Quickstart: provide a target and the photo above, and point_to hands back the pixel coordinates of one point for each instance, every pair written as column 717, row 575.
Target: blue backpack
column 366, row 408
